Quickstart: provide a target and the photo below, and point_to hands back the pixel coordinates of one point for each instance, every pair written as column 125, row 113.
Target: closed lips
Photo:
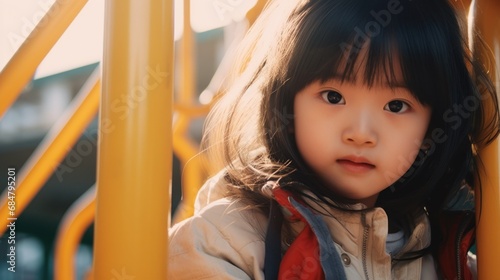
column 355, row 164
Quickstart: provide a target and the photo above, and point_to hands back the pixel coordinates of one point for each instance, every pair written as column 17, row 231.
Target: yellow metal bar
column 21, row 67
column 188, row 75
column 192, row 111
column 74, row 223
column 193, row 173
column 187, row 78
column 486, row 20
column 255, row 11
column 185, row 148
column 56, row 144
column 135, row 155
column 192, row 177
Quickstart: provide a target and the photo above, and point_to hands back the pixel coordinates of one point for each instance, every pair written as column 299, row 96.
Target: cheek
column 311, row 140
column 410, row 156
column 406, row 150
column 305, row 143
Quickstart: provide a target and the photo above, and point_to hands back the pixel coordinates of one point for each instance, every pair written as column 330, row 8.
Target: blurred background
column 203, row 54
column 216, row 25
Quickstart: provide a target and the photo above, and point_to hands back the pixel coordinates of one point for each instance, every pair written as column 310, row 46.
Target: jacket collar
column 349, row 225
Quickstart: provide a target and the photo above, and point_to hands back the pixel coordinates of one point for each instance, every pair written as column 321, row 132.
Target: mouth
column 355, row 164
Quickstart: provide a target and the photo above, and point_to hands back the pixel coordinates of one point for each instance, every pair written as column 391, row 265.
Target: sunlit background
column 217, row 24
column 82, row 43
column 56, row 82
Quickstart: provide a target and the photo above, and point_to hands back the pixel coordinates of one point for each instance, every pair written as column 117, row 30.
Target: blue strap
column 329, row 257
column 272, row 257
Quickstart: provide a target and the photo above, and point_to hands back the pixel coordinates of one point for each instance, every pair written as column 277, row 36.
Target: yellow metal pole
column 193, row 173
column 187, row 84
column 135, row 157
column 21, row 67
column 185, row 148
column 485, row 18
column 74, row 223
column 192, row 111
column 188, row 77
column 58, row 142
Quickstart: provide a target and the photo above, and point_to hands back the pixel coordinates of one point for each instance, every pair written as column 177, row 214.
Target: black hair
column 324, row 38
column 321, row 39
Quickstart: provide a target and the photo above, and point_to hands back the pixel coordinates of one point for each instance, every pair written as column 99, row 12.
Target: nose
column 360, row 130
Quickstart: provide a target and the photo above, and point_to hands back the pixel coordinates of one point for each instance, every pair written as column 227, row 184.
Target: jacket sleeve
column 221, row 242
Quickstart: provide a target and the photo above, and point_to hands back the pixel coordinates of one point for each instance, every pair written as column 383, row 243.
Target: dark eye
column 397, row 106
column 333, row 97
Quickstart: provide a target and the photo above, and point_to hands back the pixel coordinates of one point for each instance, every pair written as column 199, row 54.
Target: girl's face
column 358, row 139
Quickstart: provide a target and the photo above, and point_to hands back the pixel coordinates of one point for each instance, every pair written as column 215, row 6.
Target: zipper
column 460, row 233
column 365, row 244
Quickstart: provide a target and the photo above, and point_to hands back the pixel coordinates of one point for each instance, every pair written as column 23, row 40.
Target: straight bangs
column 401, row 45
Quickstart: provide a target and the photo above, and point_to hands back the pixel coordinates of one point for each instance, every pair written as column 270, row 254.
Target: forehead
column 358, row 66
column 324, row 41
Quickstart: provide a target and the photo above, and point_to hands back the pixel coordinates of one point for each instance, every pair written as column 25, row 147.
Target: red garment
column 301, row 260
column 454, row 225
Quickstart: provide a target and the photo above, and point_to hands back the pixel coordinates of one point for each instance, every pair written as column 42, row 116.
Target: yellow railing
column 23, row 64
column 54, row 147
column 188, row 149
column 75, row 222
column 184, row 147
column 135, row 151
column 484, row 15
column 133, row 202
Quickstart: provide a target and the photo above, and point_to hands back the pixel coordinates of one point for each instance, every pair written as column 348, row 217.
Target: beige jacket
column 225, row 240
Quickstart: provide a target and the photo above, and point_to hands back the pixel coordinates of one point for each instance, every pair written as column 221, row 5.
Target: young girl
column 348, row 141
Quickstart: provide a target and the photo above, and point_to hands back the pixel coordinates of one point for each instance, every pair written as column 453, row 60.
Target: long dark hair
column 317, row 40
